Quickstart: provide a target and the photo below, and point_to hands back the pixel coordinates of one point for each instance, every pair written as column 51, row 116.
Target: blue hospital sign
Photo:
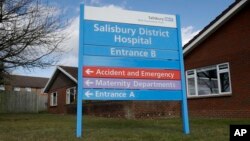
column 129, row 55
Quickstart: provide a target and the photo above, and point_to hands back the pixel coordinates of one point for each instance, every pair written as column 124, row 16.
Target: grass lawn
column 47, row 127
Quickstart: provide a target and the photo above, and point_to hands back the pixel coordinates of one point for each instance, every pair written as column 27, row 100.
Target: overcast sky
column 194, row 14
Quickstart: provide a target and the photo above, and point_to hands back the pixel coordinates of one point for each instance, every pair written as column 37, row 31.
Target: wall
column 230, row 43
column 130, row 109
column 152, row 109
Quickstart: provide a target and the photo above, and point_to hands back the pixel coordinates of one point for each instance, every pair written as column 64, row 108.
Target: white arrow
column 88, row 82
column 88, row 94
column 89, row 71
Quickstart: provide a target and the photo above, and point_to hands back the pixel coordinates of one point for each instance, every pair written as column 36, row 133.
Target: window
column 53, row 99
column 224, row 83
column 208, row 81
column 191, row 82
column 2, row 88
column 71, row 95
column 27, row 89
column 17, row 89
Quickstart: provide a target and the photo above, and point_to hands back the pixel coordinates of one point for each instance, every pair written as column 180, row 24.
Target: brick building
column 61, row 89
column 217, row 61
column 19, row 83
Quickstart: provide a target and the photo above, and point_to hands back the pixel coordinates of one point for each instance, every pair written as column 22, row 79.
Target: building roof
column 70, row 72
column 214, row 25
column 27, row 81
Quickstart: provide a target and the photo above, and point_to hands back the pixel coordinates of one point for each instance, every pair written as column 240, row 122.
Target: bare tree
column 30, row 34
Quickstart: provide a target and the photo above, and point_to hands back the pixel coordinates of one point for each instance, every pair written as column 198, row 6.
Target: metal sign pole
column 80, row 78
column 183, row 82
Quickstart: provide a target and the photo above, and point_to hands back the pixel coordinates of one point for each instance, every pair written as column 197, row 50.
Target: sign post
column 185, row 120
column 79, row 75
column 130, row 55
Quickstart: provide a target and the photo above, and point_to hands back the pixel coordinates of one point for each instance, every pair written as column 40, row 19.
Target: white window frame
column 68, row 94
column 17, row 89
column 219, row 81
column 52, row 99
column 195, row 81
column 219, row 84
column 28, row 89
column 2, row 88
